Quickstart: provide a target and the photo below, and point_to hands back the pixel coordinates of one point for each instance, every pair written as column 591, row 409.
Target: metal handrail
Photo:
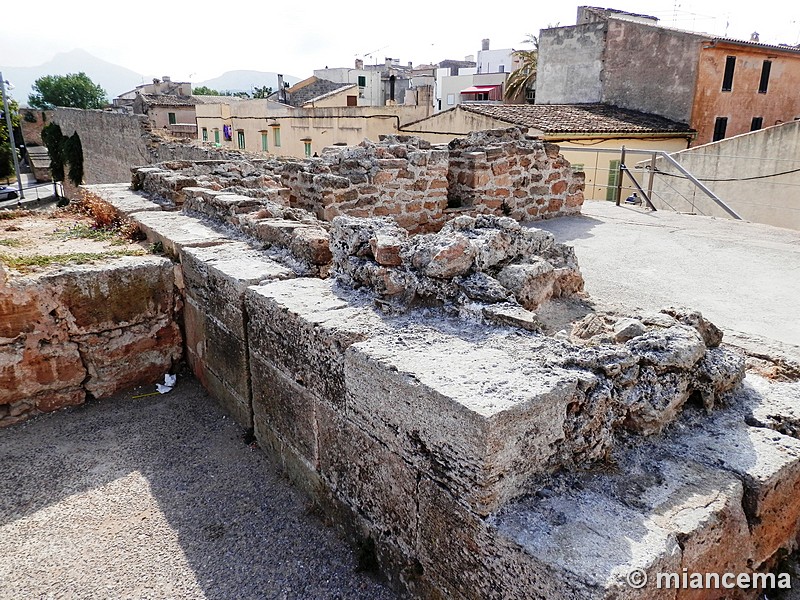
column 654, row 153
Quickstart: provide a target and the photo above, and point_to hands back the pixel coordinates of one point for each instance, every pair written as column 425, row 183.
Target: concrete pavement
column 743, row 276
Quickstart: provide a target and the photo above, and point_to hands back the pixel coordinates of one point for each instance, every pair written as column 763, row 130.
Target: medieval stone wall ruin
column 401, row 378
column 500, row 173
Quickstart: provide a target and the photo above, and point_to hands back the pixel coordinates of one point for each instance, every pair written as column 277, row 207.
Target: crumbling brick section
column 402, row 177
column 504, row 172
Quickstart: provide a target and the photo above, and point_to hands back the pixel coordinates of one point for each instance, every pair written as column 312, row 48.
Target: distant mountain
column 244, row 81
column 114, row 79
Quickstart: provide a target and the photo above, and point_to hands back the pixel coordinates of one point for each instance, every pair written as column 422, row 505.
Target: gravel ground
column 159, row 497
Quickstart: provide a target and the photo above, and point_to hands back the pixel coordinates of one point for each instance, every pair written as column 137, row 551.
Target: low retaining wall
column 84, row 332
column 462, row 453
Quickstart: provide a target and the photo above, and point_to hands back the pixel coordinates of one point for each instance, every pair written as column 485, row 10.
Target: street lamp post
column 3, row 83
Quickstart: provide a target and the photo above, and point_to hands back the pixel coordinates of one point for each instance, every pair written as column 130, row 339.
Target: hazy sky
column 198, row 41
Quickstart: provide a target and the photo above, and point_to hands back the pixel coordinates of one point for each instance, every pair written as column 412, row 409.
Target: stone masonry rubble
column 483, row 264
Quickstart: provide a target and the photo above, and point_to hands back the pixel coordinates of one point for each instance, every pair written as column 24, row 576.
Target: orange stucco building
column 718, row 86
column 744, row 86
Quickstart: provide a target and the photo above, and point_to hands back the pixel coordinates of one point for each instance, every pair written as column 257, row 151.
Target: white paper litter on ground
column 169, row 383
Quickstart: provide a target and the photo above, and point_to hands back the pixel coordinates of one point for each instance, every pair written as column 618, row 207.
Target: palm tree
column 523, row 78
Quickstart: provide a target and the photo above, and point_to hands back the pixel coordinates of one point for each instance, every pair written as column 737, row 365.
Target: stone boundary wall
column 84, row 332
column 401, row 177
column 113, row 142
column 461, row 453
column 498, row 172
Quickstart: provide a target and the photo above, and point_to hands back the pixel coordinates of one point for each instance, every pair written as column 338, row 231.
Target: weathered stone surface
column 712, row 335
column 122, row 198
column 464, row 556
column 311, row 244
column 767, row 462
column 482, row 287
column 589, row 543
column 511, row 315
column 82, row 329
column 376, row 482
column 304, row 327
column 441, row 257
column 627, row 328
column 30, row 368
column 175, row 231
column 285, row 407
column 464, row 418
column 472, row 259
column 676, row 347
column 216, row 277
column 118, row 359
column 700, row 506
column 386, row 249
column 531, row 283
column 773, row 405
column 126, row 291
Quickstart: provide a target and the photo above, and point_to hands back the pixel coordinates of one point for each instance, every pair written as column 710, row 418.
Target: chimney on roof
column 359, row 63
column 388, row 62
column 410, row 64
column 281, row 89
column 469, row 58
column 166, row 79
column 754, row 36
column 485, row 44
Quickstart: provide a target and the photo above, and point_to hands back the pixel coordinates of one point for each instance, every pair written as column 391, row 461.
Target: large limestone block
column 175, row 231
column 282, row 406
column 30, row 369
column 219, row 360
column 216, row 277
column 100, row 297
column 588, row 544
column 462, row 555
column 369, row 478
column 767, row 462
column 455, row 408
column 701, row 506
column 303, row 327
column 118, row 359
column 124, row 200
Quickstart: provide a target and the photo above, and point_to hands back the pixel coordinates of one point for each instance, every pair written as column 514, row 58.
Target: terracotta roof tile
column 577, row 118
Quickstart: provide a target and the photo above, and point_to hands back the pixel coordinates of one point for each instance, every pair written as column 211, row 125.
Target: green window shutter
column 264, row 145
column 307, row 146
column 240, row 138
column 276, row 134
column 205, row 134
column 613, row 174
column 362, row 81
column 216, row 136
column 172, row 119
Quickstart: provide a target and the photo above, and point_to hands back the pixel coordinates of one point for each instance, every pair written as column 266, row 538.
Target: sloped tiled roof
column 167, row 100
column 577, row 118
column 759, row 45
